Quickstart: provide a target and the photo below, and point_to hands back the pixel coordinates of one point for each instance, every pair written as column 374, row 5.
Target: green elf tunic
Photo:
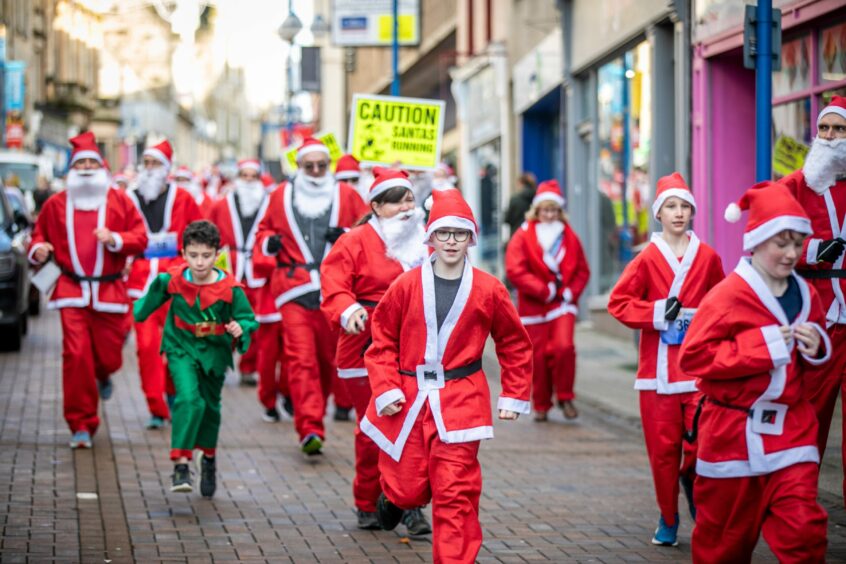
column 198, row 349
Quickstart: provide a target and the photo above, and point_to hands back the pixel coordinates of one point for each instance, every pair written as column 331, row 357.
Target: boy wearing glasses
column 431, row 403
column 303, row 219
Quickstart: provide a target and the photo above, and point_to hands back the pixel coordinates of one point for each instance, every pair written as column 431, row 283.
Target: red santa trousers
column 447, row 474
column 339, row 390
column 151, row 362
column 554, row 361
column 822, row 384
column 92, row 349
column 664, row 418
column 249, row 363
column 732, row 512
column 273, row 377
column 366, row 488
column 309, row 344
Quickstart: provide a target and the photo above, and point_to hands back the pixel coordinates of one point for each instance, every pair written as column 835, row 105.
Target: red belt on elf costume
column 201, row 329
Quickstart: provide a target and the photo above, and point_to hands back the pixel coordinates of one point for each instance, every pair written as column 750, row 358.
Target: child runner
column 658, row 293
column 753, row 339
column 208, row 310
column 547, row 265
column 431, row 402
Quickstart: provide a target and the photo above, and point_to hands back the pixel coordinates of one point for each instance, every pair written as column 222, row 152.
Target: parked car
column 14, row 276
column 19, row 210
column 25, row 168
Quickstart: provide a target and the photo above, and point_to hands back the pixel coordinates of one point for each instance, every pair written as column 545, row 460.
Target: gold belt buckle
column 204, row 328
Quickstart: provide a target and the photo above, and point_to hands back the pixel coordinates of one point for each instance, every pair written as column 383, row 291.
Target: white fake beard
column 194, row 188
column 313, row 196
column 87, row 188
column 825, row 162
column 250, row 195
column 403, row 235
column 548, row 233
column 151, row 182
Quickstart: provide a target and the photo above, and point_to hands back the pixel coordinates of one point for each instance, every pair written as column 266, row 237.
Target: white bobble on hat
column 732, row 213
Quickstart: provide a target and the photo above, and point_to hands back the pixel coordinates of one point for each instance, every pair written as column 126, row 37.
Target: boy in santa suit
column 89, row 230
column 185, row 178
column 303, row 220
column 166, row 211
column 658, row 293
column 546, row 264
column 353, row 278
column 237, row 216
column 820, row 188
column 750, row 346
column 431, row 403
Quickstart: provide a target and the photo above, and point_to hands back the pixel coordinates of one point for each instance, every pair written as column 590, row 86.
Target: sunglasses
column 316, row 167
column 459, row 236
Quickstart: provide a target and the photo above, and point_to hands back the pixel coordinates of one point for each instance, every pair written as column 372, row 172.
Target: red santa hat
column 347, row 167
column 549, row 191
column 249, row 164
column 772, row 209
column 669, row 186
column 184, row 172
column 385, row 179
column 85, row 147
column 449, row 209
column 266, row 180
column 836, row 106
column 311, row 145
column 162, row 152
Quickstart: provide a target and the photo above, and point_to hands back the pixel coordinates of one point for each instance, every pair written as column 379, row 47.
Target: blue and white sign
column 361, row 23
column 15, row 72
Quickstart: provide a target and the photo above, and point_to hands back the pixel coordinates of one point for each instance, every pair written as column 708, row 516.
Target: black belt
column 690, row 436
column 453, row 374
column 822, row 274
column 292, row 266
column 105, row 278
column 368, row 303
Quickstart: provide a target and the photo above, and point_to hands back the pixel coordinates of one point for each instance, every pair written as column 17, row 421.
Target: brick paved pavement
column 558, row 492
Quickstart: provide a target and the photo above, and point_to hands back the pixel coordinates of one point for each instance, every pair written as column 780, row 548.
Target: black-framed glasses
column 316, row 167
column 459, row 236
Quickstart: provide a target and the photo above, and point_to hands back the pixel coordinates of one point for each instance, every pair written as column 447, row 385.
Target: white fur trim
column 456, row 223
column 118, row 243
column 563, row 309
column 771, row 463
column 387, row 185
column 267, row 318
column 514, row 404
column 347, row 174
column 825, row 342
column 752, row 239
column 685, row 195
column 316, row 148
column 813, row 250
column 251, row 165
column 158, row 155
column 669, row 388
column 32, row 253
column 831, row 109
column 779, row 353
column 551, row 295
column 87, row 155
column 387, row 398
column 548, row 197
column 658, row 312
column 345, row 317
column 345, row 373
column 568, row 295
column 732, row 213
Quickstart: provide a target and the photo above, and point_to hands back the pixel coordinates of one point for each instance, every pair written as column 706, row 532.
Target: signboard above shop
column 369, row 23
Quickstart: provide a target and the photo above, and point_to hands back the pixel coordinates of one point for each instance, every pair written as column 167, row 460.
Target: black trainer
column 367, row 520
column 180, row 480
column 387, row 514
column 687, row 487
column 208, row 475
column 342, row 414
column 288, row 405
column 416, row 522
column 271, row 415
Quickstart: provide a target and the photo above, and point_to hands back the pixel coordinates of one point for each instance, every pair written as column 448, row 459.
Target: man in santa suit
column 166, row 210
column 237, row 217
column 303, row 219
column 89, row 230
column 185, row 178
column 348, row 170
column 754, row 339
column 431, row 403
column 821, row 189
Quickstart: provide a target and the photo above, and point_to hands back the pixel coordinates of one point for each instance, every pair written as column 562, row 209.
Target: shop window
column 795, row 73
column 624, row 99
column 832, row 49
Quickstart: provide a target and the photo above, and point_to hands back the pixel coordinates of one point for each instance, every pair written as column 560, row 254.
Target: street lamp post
column 287, row 31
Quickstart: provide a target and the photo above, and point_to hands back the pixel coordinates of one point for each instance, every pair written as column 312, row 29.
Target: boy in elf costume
column 208, row 310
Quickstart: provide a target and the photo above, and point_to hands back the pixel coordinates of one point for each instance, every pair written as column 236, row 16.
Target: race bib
column 162, row 245
column 675, row 333
column 768, row 418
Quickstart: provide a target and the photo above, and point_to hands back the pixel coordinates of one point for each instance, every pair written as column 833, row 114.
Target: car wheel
column 34, row 301
column 24, row 324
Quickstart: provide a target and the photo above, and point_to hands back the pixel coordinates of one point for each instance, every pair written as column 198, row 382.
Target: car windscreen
column 22, row 175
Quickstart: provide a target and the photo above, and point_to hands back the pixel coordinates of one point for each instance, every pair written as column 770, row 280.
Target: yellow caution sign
column 222, row 262
column 335, row 151
column 788, row 155
column 385, row 130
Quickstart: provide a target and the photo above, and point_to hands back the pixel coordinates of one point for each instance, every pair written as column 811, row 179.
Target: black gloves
column 333, row 233
column 274, row 244
column 830, row 250
column 672, row 309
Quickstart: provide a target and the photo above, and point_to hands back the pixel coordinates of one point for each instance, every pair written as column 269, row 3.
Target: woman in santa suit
column 354, row 276
column 751, row 345
column 546, row 264
column 658, row 294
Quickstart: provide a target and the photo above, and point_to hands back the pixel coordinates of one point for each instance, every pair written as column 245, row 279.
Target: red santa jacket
column 356, row 274
column 289, row 282
column 828, row 220
column 180, row 210
column 735, row 350
column 406, row 338
column 534, row 274
column 55, row 225
column 250, row 269
column 639, row 299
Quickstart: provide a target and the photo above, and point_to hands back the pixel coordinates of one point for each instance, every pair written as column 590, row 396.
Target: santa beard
column 826, row 161
column 194, row 188
column 313, row 195
column 250, row 194
column 87, row 188
column 403, row 234
column 151, row 182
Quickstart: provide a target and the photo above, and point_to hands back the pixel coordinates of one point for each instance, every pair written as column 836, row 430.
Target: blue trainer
column 105, row 388
column 81, row 439
column 666, row 535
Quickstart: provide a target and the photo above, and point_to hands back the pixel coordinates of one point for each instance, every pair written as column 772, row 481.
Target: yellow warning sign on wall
column 385, row 130
column 788, row 155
